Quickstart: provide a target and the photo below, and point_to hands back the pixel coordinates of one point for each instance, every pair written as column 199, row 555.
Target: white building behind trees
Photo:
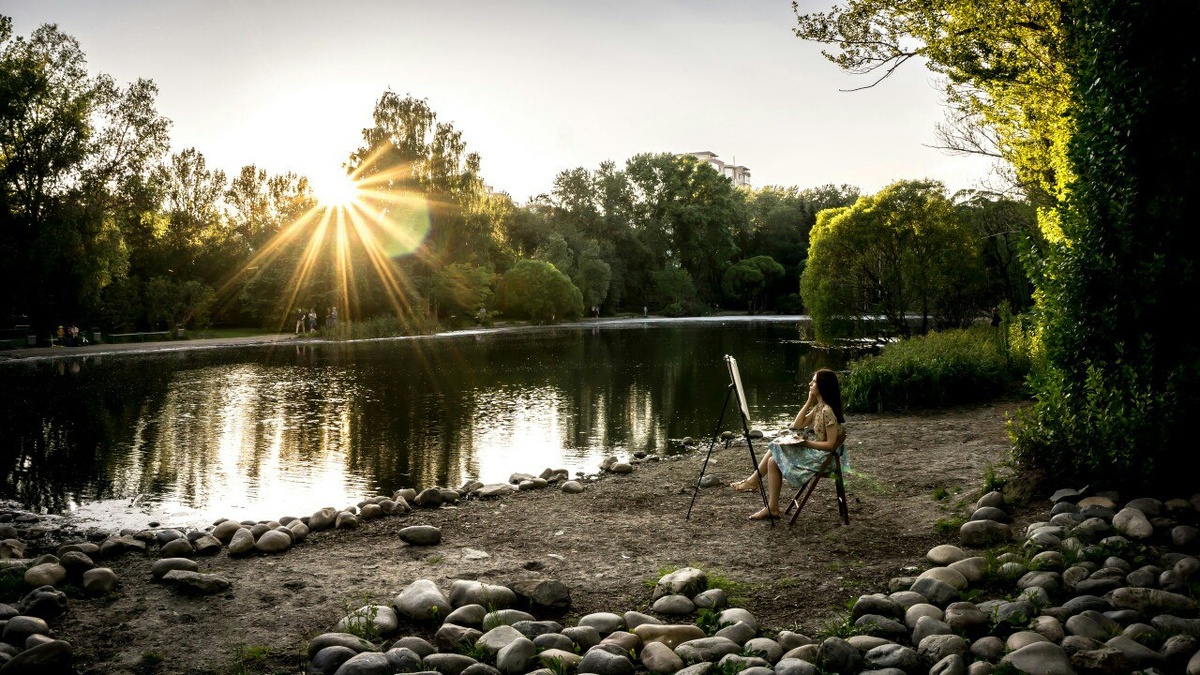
column 740, row 175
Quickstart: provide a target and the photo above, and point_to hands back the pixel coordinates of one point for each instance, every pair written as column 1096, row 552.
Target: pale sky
column 535, row 86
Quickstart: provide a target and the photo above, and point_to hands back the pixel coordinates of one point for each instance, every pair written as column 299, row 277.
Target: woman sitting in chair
column 798, row 462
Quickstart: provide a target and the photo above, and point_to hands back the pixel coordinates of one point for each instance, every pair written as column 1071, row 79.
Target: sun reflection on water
column 183, row 439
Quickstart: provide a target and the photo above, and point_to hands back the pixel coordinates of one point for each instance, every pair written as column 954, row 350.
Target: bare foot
column 744, row 486
column 763, row 514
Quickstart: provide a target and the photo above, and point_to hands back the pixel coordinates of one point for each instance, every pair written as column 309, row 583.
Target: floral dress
column 798, row 463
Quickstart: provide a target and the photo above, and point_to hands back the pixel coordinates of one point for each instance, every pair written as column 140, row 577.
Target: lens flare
column 335, row 190
column 398, row 223
column 348, row 249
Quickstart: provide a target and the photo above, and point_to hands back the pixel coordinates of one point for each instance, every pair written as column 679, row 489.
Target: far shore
column 129, row 348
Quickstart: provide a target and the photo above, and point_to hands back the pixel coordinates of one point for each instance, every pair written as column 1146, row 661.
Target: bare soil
column 606, row 544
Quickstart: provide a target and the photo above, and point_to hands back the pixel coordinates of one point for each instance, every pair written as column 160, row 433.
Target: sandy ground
column 606, row 544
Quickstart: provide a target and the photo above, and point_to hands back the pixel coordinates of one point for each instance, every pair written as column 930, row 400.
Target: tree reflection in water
column 268, row 431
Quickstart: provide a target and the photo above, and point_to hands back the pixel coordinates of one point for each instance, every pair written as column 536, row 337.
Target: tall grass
column 378, row 327
column 953, row 367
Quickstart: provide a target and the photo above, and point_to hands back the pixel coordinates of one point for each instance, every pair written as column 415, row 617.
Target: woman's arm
column 834, row 437
column 806, row 416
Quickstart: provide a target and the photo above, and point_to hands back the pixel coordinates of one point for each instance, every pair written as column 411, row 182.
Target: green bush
column 536, row 290
column 954, row 367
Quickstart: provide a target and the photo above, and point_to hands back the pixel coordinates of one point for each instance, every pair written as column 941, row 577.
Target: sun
column 335, row 190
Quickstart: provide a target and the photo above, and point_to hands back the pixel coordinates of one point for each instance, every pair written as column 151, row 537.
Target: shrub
column 536, row 290
column 953, row 367
column 378, row 327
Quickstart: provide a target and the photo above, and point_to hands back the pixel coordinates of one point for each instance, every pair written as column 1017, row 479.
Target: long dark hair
column 831, row 392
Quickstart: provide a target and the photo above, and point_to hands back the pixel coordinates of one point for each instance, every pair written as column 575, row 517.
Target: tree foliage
column 462, row 289
column 1003, row 64
column 1011, row 244
column 69, row 142
column 535, row 290
column 685, row 216
column 105, row 227
column 748, row 280
column 424, row 165
column 779, row 222
column 901, row 251
column 1123, row 376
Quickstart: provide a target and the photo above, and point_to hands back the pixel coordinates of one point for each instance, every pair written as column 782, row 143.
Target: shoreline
column 32, row 354
column 604, row 544
column 129, row 511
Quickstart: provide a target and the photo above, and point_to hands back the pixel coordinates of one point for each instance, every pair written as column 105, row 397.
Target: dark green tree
column 674, row 290
column 747, row 281
column 69, row 142
column 780, row 220
column 1116, row 403
column 902, row 251
column 535, row 290
column 1010, row 242
column 685, row 215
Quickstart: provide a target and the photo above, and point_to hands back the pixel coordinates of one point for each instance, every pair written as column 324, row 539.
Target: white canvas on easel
column 735, row 384
column 736, row 378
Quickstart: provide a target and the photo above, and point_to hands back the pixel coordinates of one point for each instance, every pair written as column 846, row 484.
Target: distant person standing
column 312, row 319
column 299, row 321
column 333, row 316
column 995, row 317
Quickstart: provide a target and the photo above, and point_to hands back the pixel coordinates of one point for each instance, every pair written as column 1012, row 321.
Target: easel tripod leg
column 711, row 443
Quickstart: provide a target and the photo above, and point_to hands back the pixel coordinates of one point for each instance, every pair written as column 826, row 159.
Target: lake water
column 184, row 437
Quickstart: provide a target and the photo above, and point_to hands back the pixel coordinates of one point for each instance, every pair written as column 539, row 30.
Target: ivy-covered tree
column 1116, row 404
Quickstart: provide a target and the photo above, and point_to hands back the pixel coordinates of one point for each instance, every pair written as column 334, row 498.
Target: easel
column 735, row 385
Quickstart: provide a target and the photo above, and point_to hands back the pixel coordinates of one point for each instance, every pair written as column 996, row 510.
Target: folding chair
column 831, row 467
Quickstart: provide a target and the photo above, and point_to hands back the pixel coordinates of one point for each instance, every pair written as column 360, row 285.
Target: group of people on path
column 69, row 337
column 306, row 322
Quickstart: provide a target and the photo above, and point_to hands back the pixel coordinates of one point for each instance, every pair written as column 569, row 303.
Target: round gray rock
column 421, row 535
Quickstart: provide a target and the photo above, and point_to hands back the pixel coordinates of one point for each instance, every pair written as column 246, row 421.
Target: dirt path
column 604, row 544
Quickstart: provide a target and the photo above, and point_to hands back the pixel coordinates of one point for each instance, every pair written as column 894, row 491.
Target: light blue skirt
column 798, row 463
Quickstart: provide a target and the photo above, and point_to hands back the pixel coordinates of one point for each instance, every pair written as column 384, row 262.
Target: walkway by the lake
column 104, row 348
